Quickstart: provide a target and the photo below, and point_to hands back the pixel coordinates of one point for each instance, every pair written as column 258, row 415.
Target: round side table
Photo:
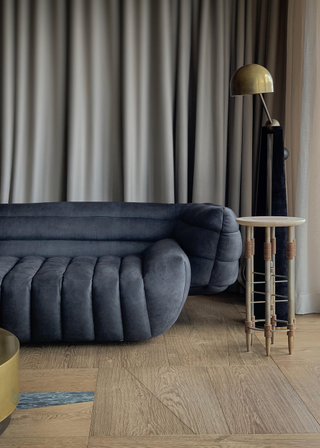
column 9, row 377
column 271, row 298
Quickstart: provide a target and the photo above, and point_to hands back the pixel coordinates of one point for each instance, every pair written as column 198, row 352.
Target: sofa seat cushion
column 87, row 298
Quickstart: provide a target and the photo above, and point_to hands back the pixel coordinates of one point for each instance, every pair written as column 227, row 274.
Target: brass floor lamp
column 254, row 79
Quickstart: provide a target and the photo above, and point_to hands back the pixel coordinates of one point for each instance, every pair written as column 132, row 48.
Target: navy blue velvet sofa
column 99, row 271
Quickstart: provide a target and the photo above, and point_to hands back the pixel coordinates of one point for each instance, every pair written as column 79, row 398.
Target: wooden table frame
column 270, row 320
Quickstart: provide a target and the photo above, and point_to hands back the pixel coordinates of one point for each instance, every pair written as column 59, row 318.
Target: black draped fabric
column 279, row 208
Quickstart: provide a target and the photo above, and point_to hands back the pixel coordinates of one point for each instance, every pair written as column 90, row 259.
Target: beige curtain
column 129, row 99
column 303, row 132
column 295, row 51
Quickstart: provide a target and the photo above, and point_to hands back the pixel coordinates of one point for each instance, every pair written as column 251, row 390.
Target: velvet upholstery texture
column 102, row 271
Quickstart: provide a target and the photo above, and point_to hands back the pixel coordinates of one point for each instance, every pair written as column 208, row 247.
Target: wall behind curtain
column 129, row 100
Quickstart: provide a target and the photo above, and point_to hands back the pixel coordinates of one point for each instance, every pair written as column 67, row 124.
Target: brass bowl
column 9, row 377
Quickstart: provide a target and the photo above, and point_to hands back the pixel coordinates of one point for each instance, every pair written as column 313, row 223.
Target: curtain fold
column 129, row 100
column 303, row 135
column 32, row 100
column 94, row 145
column 295, row 44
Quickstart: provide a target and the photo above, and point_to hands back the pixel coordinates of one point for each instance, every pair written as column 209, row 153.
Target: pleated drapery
column 129, row 100
column 303, row 135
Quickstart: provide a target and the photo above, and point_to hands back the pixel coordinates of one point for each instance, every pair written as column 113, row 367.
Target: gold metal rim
column 9, row 381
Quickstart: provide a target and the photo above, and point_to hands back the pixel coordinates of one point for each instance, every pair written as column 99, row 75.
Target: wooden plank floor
column 194, row 386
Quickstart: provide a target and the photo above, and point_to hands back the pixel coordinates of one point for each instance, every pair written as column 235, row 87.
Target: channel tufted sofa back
column 209, row 234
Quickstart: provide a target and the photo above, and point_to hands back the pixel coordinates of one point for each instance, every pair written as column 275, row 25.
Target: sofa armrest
column 167, row 274
column 210, row 236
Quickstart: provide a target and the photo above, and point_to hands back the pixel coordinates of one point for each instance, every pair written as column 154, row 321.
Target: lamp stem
column 265, row 108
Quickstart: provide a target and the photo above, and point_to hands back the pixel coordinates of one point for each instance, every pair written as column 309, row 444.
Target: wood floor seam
column 299, row 396
column 90, row 427
column 221, row 408
column 210, row 441
column 143, row 385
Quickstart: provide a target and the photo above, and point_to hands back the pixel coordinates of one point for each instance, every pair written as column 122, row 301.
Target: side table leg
column 291, row 253
column 267, row 259
column 248, row 256
column 273, row 283
column 252, row 283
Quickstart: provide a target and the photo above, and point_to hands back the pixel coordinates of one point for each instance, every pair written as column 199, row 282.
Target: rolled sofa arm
column 210, row 236
column 166, row 271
